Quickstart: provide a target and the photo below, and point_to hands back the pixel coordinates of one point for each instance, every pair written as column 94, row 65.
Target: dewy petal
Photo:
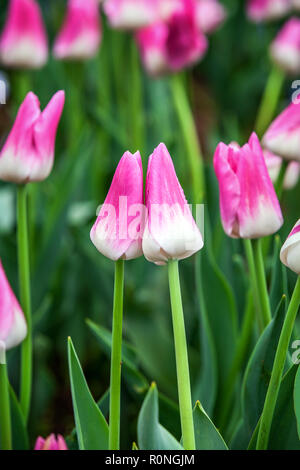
column 171, row 232
column 259, row 212
column 13, row 328
column 229, row 187
column 283, row 135
column 114, row 233
column 81, row 33
column 23, row 42
column 290, row 252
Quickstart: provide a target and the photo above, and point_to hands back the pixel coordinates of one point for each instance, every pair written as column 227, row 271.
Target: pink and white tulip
column 28, row 153
column 285, row 49
column 13, row 327
column 283, row 135
column 265, row 10
column 210, row 15
column 118, row 230
column 23, row 42
column 290, row 252
column 170, row 232
column 51, row 443
column 248, row 202
column 132, row 14
column 173, row 44
column 274, row 163
column 80, row 35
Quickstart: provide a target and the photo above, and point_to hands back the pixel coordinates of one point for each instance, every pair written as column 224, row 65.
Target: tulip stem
column 270, row 100
column 253, row 279
column 190, row 135
column 116, row 358
column 5, row 420
column 25, row 299
column 261, row 282
column 182, row 365
column 278, row 366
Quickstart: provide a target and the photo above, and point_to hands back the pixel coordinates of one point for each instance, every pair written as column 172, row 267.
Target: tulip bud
column 118, row 230
column 152, row 45
column 28, row 153
column 274, row 164
column 51, row 443
column 23, row 42
column 13, row 328
column 283, row 135
column 290, row 253
column 265, row 10
column 248, row 202
column 285, row 49
column 80, row 34
column 171, row 232
column 210, row 15
column 131, row 14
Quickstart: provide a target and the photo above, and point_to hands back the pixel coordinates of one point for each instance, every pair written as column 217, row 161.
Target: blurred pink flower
column 132, row 14
column 290, row 252
column 13, row 328
column 51, row 443
column 172, row 44
column 283, row 135
column 264, row 10
column 118, row 230
column 28, row 153
column 23, row 42
column 81, row 33
column 210, row 15
column 274, row 163
column 248, row 202
column 285, row 49
column 170, row 232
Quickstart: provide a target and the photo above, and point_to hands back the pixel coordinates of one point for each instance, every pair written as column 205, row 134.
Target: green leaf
column 131, row 372
column 151, row 434
column 297, row 399
column 258, row 371
column 278, row 277
column 19, row 433
column 91, row 426
column 206, row 434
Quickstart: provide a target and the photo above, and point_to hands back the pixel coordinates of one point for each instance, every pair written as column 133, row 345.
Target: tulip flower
column 132, row 14
column 173, row 44
column 28, row 153
column 265, row 10
column 210, row 15
column 13, row 328
column 249, row 205
column 117, row 232
column 23, row 42
column 171, row 232
column 285, row 49
column 80, row 35
column 283, row 135
column 51, row 443
column 274, row 163
column 290, row 252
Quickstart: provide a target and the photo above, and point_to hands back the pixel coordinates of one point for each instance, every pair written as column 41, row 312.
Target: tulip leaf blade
column 206, row 434
column 297, row 399
column 91, row 426
column 19, row 433
column 151, row 434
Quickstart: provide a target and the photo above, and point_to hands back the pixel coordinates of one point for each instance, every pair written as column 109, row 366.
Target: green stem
column 239, row 358
column 136, row 118
column 278, row 366
column 253, row 280
column 116, row 357
column 182, row 365
column 5, row 420
column 189, row 131
column 270, row 100
column 280, row 180
column 25, row 299
column 261, row 282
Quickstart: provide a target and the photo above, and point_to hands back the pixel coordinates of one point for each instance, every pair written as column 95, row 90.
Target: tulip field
column 149, row 226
